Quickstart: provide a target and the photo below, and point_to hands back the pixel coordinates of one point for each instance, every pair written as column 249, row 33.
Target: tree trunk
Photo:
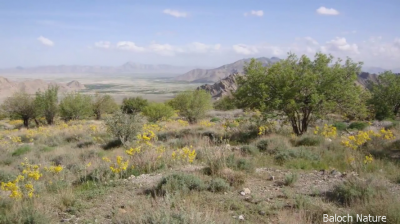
column 396, row 109
column 37, row 122
column 50, row 120
column 26, row 122
column 98, row 115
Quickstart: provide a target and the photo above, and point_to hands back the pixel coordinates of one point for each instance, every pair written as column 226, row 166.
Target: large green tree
column 192, row 105
column 20, row 105
column 47, row 103
column 301, row 89
column 133, row 105
column 386, row 95
column 76, row 106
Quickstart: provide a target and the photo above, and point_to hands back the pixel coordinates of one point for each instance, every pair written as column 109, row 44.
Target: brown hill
column 7, row 87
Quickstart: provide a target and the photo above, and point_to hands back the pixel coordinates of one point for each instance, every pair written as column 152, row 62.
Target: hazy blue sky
column 201, row 32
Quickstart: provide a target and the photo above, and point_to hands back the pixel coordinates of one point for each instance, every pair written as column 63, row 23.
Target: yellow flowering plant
column 185, row 154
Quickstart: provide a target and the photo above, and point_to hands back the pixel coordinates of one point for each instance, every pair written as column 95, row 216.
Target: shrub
column 290, row 179
column 234, row 178
column 341, row 126
column 249, row 150
column 76, row 106
column 225, row 103
column 124, row 126
column 21, row 150
column 158, row 111
column 215, row 119
column 262, row 145
column 192, row 105
column 180, row 182
column 133, row 104
column 103, row 104
column 309, row 141
column 358, row 125
column 239, row 164
column 218, row 185
column 47, row 103
column 20, row 106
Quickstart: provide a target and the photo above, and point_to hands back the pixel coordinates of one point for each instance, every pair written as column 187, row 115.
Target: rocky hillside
column 7, row 87
column 228, row 85
column 216, row 74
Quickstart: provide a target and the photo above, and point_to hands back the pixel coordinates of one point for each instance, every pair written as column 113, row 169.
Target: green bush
column 249, row 150
column 340, row 126
column 225, row 103
column 103, row 104
column 309, row 141
column 133, row 105
column 158, row 111
column 215, row 119
column 47, row 103
column 356, row 191
column 125, row 126
column 192, row 105
column 358, row 125
column 218, row 185
column 239, row 164
column 290, row 179
column 76, row 106
column 21, row 150
column 181, row 182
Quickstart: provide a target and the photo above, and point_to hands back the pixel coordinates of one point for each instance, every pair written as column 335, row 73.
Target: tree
column 225, row 103
column 133, row 105
column 157, row 111
column 386, row 95
column 21, row 105
column 125, row 126
column 47, row 103
column 103, row 104
column 301, row 89
column 192, row 105
column 76, row 106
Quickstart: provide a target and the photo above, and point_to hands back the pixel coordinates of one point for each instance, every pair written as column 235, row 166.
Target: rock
column 241, row 217
column 246, row 190
column 242, row 193
column 261, row 213
column 272, row 178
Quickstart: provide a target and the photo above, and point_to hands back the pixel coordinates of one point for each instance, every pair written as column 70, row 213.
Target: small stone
column 246, row 190
column 242, row 193
column 241, row 217
column 261, row 213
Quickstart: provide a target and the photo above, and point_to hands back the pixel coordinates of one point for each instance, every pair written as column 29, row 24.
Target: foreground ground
column 225, row 169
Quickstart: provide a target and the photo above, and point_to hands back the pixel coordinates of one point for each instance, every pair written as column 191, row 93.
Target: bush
column 103, row 104
column 249, row 150
column 76, row 106
column 218, row 185
column 355, row 191
column 215, row 119
column 290, row 179
column 133, row 105
column 225, row 103
column 309, row 141
column 358, row 125
column 180, row 183
column 340, row 126
column 192, row 105
column 125, row 126
column 47, row 103
column 21, row 150
column 158, row 111
column 20, row 106
column 239, row 164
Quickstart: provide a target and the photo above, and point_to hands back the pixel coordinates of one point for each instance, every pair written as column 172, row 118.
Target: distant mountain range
column 217, row 74
column 129, row 67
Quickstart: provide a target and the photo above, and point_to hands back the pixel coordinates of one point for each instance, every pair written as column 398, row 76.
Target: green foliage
column 125, row 127
column 47, row 103
column 218, row 185
column 158, row 111
column 249, row 150
column 215, row 119
column 225, row 103
column 290, row 179
column 386, row 95
column 133, row 105
column 355, row 191
column 340, row 126
column 21, row 105
column 302, row 89
column 309, row 141
column 21, row 150
column 192, row 105
column 76, row 106
column 181, row 182
column 103, row 104
column 358, row 125
column 240, row 164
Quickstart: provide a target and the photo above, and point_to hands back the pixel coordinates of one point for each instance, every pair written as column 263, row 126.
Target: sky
column 206, row 33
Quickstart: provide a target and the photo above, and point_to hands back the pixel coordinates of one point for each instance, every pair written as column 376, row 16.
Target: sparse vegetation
column 133, row 105
column 158, row 111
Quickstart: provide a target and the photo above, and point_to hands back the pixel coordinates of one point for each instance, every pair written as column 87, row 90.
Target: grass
column 290, row 179
column 21, row 150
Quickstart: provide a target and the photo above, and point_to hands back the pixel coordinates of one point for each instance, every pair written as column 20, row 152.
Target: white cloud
column 103, row 44
column 197, row 47
column 327, row 11
column 311, row 41
column 254, row 13
column 175, row 13
column 130, row 46
column 340, row 44
column 245, row 49
column 164, row 49
column 45, row 41
column 397, row 42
